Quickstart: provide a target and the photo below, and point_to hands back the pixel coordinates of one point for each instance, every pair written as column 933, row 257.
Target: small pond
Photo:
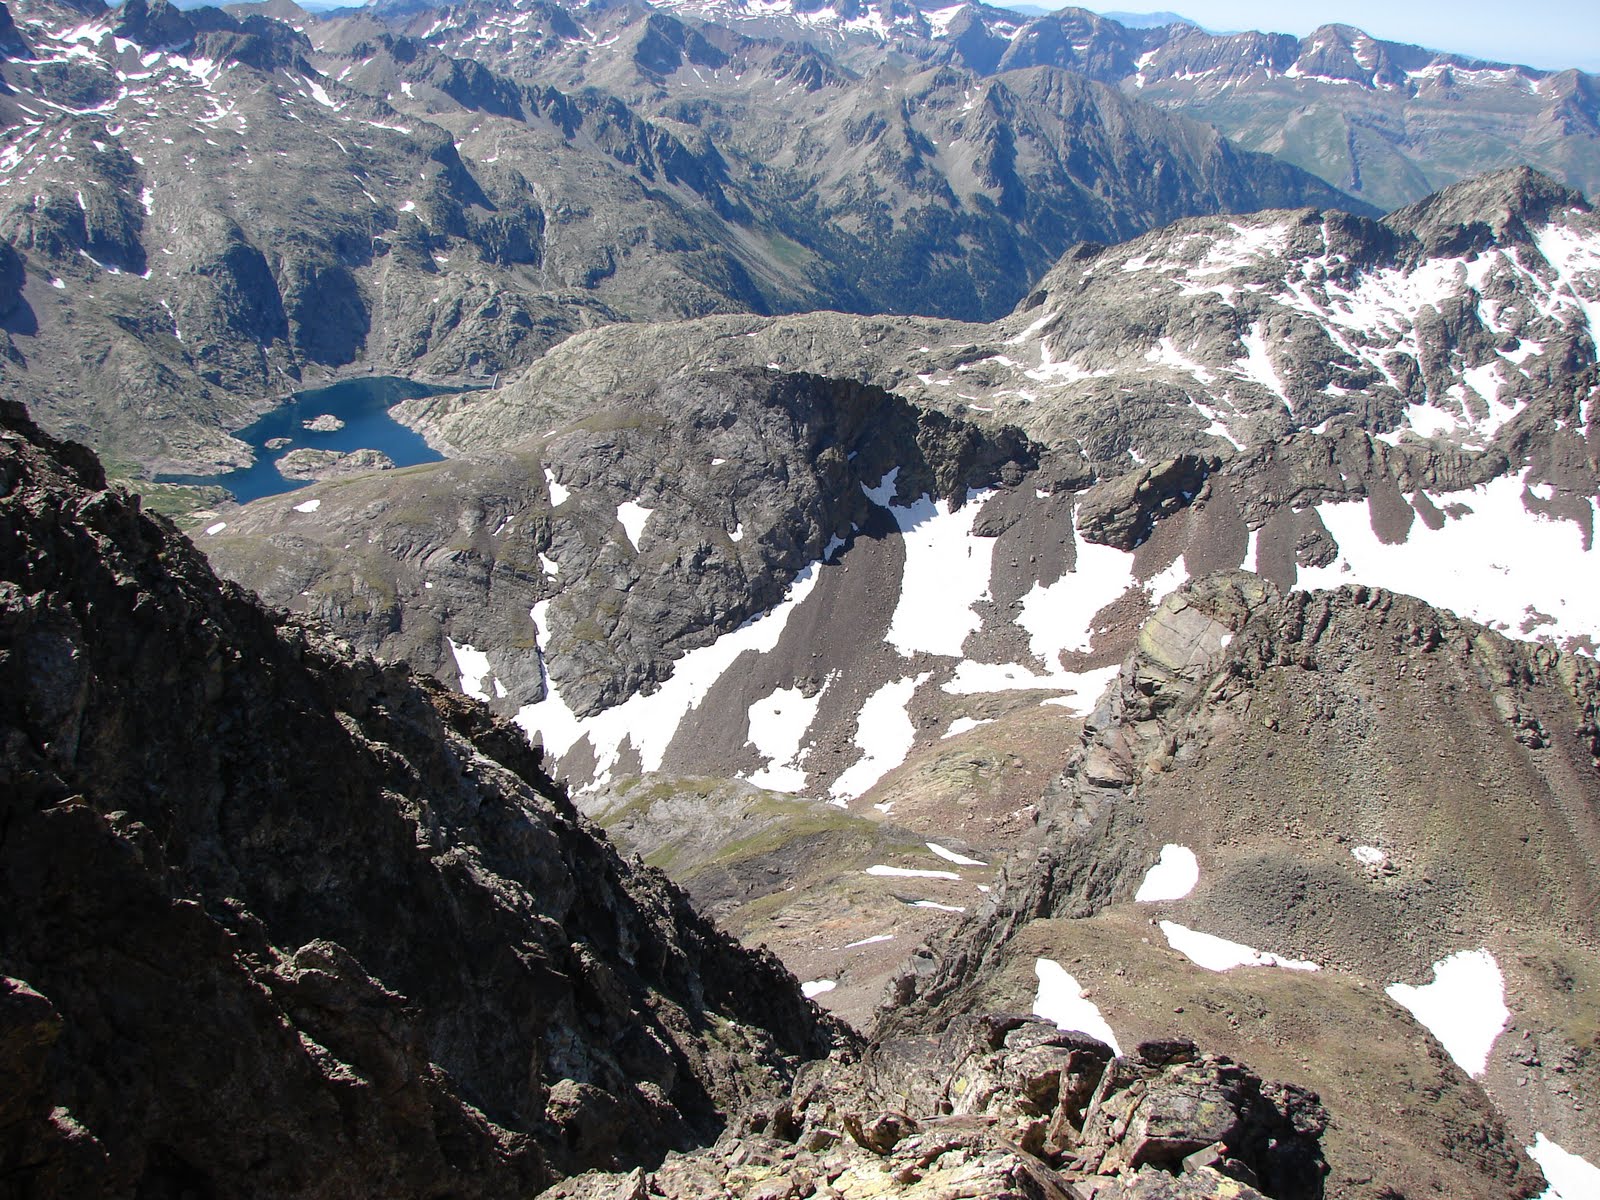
column 362, row 404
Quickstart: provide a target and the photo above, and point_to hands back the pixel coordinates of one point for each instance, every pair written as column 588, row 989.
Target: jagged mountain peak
column 1500, row 208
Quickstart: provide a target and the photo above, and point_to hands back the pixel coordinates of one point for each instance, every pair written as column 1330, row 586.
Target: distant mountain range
column 1146, row 20
column 489, row 180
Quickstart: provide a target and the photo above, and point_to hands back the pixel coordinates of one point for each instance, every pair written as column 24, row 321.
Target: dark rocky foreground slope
column 276, row 920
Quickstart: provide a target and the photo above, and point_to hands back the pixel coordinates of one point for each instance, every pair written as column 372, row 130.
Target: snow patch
column 474, row 667
column 946, row 572
column 960, row 860
column 1464, row 1007
column 1218, row 954
column 964, row 725
column 1570, row 1176
column 310, row 506
column 910, row 873
column 1491, row 563
column 1060, row 617
column 558, row 494
column 813, row 988
column 778, row 724
column 1061, row 999
column 1172, row 878
column 884, row 734
column 633, row 516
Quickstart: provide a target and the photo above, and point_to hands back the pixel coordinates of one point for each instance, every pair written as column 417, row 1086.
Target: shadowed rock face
column 278, row 920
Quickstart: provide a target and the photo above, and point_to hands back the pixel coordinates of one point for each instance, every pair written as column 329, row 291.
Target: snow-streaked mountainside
column 1402, row 405
column 803, row 639
column 1254, row 330
column 992, row 539
column 1386, row 121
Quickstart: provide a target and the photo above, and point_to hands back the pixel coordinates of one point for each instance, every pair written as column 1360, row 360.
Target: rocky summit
column 793, row 600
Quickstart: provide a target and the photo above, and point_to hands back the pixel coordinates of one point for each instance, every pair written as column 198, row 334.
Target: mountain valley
column 925, row 480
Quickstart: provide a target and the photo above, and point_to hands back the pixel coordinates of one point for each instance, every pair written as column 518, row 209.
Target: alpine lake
column 360, row 410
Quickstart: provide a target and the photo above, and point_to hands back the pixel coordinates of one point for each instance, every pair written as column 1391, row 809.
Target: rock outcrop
column 1007, row 1106
column 275, row 919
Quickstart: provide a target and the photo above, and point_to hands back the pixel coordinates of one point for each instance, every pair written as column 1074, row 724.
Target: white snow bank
column 946, row 571
column 1060, row 617
column 960, row 860
column 474, row 667
column 1061, row 1000
column 1491, row 564
column 884, row 734
column 910, row 873
column 1080, row 689
column 1369, row 856
column 1464, row 1007
column 310, row 506
column 813, row 988
column 558, row 494
column 964, row 725
column 633, row 516
column 1218, row 954
column 778, row 724
column 1172, row 878
column 871, row 941
column 1570, row 1176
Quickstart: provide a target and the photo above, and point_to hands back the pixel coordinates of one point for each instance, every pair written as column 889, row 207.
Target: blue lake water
column 362, row 404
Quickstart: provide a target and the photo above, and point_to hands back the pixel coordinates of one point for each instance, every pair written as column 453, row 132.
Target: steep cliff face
column 275, row 919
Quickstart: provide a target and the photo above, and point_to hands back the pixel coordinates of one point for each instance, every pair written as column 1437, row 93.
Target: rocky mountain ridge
column 166, row 285
column 209, row 985
column 1329, row 867
column 1385, row 121
column 490, row 999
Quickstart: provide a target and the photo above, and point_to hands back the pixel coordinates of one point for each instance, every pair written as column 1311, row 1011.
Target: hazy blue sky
column 1541, row 33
